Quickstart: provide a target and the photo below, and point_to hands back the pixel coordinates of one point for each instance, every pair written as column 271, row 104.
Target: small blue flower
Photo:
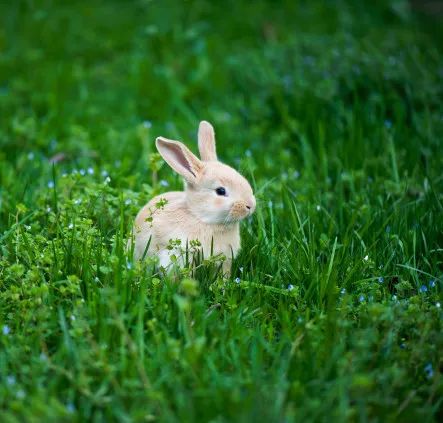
column 388, row 124
column 361, row 298
column 429, row 370
column 394, row 298
column 104, row 173
column 164, row 183
column 6, row 330
column 237, row 280
column 147, row 124
column 128, row 201
column 90, row 170
column 403, row 346
column 70, row 408
column 381, row 279
column 438, row 305
column 51, row 184
column 20, row 394
column 43, row 356
column 423, row 288
column 31, row 156
column 388, row 229
column 10, row 380
column 432, row 283
column 300, row 320
column 82, row 172
column 343, row 291
column 129, row 265
column 290, row 287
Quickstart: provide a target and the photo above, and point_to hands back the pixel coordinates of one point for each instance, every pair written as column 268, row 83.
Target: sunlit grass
column 333, row 311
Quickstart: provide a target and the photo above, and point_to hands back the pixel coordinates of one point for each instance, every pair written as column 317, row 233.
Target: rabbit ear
column 206, row 141
column 180, row 158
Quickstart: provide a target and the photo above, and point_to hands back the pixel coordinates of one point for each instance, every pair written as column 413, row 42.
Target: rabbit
column 215, row 199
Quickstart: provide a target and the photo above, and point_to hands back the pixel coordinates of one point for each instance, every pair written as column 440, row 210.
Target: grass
column 333, row 111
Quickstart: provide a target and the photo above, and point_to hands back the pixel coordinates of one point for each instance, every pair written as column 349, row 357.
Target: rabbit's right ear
column 180, row 158
column 206, row 142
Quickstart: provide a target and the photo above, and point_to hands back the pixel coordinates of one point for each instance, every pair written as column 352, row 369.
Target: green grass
column 332, row 109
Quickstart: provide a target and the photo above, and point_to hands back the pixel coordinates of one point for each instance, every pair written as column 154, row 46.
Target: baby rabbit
column 215, row 199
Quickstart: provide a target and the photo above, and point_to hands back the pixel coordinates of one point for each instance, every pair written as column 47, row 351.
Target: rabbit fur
column 215, row 199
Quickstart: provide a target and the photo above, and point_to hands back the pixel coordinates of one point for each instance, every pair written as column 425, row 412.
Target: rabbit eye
column 221, row 191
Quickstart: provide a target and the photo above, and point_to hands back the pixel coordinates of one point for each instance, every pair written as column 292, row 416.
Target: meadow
column 334, row 112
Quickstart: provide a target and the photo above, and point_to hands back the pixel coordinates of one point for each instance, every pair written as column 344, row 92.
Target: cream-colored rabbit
column 215, row 199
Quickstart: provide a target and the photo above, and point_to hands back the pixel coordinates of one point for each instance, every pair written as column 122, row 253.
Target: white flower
column 318, row 207
column 77, row 201
column 237, row 280
column 366, row 258
column 48, row 209
column 107, row 180
column 10, row 380
column 438, row 305
column 72, row 317
column 128, row 201
column 70, row 226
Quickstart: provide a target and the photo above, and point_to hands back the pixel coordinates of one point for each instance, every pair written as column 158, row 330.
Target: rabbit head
column 215, row 192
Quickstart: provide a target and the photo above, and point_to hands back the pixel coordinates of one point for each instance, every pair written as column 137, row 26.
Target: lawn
column 334, row 112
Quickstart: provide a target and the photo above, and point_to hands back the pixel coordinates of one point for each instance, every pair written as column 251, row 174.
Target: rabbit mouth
column 240, row 211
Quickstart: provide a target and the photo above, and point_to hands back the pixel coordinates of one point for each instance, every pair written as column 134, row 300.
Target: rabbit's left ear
column 206, row 142
column 180, row 158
